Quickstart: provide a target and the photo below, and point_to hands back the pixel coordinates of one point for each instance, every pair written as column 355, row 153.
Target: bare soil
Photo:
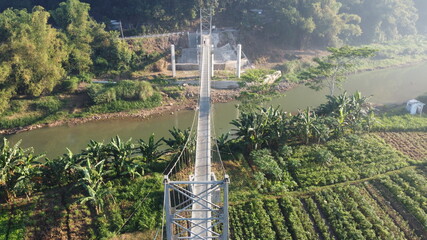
column 412, row 144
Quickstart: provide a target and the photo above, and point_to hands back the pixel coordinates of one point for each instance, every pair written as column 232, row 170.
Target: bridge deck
column 203, row 147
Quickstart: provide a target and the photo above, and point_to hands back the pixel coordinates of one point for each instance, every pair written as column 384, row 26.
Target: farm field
column 367, row 186
column 391, row 207
column 389, row 203
column 412, row 144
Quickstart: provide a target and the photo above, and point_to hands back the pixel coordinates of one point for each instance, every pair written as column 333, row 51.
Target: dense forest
column 327, row 21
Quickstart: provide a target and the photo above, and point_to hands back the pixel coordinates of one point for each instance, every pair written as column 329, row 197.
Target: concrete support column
column 239, row 60
column 213, row 64
column 173, row 60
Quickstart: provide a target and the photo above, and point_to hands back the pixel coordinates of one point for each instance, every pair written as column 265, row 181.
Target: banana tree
column 16, row 169
column 305, row 123
column 120, row 153
column 150, row 150
column 96, row 151
column 61, row 171
column 92, row 181
column 181, row 144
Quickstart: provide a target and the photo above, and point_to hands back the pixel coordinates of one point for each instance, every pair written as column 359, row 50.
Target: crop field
column 366, row 186
column 391, row 207
column 413, row 144
column 376, row 190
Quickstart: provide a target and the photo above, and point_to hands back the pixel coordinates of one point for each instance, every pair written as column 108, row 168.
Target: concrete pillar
column 239, row 60
column 173, row 60
column 213, row 64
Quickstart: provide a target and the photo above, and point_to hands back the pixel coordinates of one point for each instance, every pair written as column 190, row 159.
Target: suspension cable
column 187, row 142
column 216, row 142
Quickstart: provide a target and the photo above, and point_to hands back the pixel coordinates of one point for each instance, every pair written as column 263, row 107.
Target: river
column 396, row 85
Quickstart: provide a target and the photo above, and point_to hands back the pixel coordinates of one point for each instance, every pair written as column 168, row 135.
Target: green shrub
column 125, row 90
column 17, row 106
column 291, row 69
column 255, row 75
column 401, row 122
column 85, row 77
column 266, row 164
column 18, row 122
column 5, row 96
column 173, row 92
column 102, row 93
column 120, row 105
column 134, row 90
column 48, row 104
column 70, row 84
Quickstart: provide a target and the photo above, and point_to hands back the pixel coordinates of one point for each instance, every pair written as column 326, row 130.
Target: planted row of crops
column 334, row 163
column 12, row 223
column 340, row 212
column 412, row 199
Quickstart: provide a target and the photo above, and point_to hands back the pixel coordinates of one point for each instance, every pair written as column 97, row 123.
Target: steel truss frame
column 180, row 224
column 205, row 22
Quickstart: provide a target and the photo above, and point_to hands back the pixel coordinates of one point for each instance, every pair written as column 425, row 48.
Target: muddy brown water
column 387, row 86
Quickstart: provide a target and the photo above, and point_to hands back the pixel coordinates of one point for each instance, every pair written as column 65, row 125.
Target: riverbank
column 170, row 105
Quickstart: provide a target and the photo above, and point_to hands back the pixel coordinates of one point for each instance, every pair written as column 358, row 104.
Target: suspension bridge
column 197, row 207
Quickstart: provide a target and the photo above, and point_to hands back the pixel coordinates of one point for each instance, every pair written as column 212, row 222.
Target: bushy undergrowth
column 49, row 104
column 401, row 122
column 124, row 90
column 255, row 75
column 121, row 105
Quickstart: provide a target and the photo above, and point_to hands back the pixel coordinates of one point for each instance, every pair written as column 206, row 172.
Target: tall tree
column 31, row 54
column 383, row 20
column 331, row 71
column 421, row 6
column 73, row 17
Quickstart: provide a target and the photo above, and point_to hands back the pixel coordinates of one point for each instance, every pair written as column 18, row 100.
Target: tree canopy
column 35, row 56
column 297, row 23
column 332, row 70
column 31, row 54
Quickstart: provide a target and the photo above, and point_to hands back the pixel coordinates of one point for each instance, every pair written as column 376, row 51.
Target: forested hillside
column 299, row 23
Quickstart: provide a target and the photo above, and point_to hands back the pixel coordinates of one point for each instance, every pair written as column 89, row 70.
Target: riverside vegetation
column 48, row 57
column 324, row 173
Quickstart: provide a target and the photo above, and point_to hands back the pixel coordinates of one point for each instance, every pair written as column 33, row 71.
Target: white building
column 414, row 106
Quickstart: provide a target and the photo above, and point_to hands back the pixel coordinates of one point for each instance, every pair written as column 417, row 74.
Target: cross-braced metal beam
column 205, row 23
column 180, row 222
